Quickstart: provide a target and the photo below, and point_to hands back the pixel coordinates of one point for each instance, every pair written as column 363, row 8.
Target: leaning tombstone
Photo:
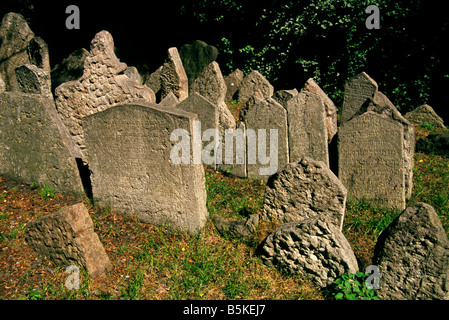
column 371, row 159
column 425, row 114
column 412, row 255
column 141, row 153
column 357, row 90
column 67, row 237
column 173, row 76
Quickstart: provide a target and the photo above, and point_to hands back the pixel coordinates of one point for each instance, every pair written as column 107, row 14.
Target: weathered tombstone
column 173, row 76
column 283, row 96
column 35, row 145
column 425, row 115
column 130, row 157
column 371, row 159
column 70, row 68
column 196, row 57
column 307, row 127
column 102, row 85
column 233, row 81
column 267, row 135
column 32, row 79
column 331, row 109
column 314, row 248
column 67, row 237
column 254, row 82
column 357, row 90
column 17, row 48
column 210, row 84
column 413, row 256
column 302, row 190
column 379, row 103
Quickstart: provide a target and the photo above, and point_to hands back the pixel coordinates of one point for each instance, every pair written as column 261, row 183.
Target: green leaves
column 352, row 287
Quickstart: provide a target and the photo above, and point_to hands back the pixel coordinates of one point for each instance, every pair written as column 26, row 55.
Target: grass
column 153, row 262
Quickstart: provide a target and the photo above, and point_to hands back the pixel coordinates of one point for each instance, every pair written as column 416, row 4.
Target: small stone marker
column 413, row 256
column 357, row 90
column 302, row 190
column 425, row 115
column 371, row 159
column 35, row 145
column 129, row 155
column 314, row 248
column 67, row 237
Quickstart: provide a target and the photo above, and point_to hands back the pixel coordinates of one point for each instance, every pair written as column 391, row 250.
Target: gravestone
column 283, row 96
column 34, row 144
column 357, row 90
column 102, row 85
column 67, row 237
column 196, row 57
column 412, row 254
column 169, row 101
column 132, row 171
column 210, row 84
column 307, row 127
column 425, row 114
column 266, row 119
column 331, row 110
column 303, row 190
column 233, row 81
column 371, row 159
column 253, row 83
column 172, row 77
column 314, row 248
column 18, row 46
column 32, row 79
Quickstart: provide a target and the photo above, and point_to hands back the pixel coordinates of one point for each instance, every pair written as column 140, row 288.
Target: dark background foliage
column 288, row 41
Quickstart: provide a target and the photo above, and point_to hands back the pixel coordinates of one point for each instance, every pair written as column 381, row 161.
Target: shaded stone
column 32, row 79
column 153, row 81
column 102, row 85
column 173, row 76
column 70, row 68
column 307, row 128
column 371, row 159
column 34, row 144
column 413, row 256
column 244, row 229
column 252, row 83
column 303, row 190
column 357, row 90
column 133, row 169
column 313, row 248
column 67, row 237
column 196, row 57
column 425, row 115
column 233, row 81
column 331, row 109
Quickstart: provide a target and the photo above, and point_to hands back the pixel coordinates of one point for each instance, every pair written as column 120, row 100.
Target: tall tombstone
column 307, row 128
column 102, row 85
column 130, row 157
column 267, row 138
column 233, row 81
column 173, row 76
column 331, row 109
column 357, row 90
column 34, row 144
column 371, row 159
